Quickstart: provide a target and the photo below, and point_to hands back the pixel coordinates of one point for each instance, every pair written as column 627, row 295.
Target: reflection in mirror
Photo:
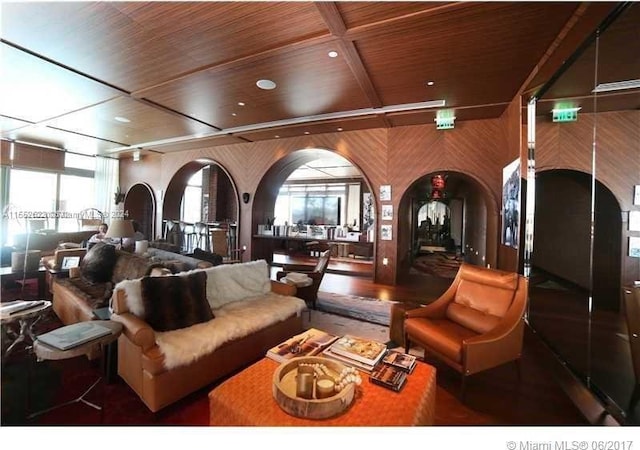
column 586, row 164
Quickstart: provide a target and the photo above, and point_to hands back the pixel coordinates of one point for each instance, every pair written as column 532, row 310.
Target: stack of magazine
column 363, row 354
column 308, row 343
column 73, row 335
column 18, row 306
column 393, row 371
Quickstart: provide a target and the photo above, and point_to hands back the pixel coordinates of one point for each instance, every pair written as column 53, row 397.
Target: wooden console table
column 247, row 399
column 264, row 245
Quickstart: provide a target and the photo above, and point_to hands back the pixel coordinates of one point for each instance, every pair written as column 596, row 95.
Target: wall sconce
column 245, row 197
column 385, row 261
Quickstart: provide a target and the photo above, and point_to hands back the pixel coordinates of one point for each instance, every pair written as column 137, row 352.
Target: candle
column 324, row 388
column 304, row 385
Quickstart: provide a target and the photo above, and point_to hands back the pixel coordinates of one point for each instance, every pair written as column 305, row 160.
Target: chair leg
column 407, row 344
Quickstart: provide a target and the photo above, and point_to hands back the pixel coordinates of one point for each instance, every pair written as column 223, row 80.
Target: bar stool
column 188, row 236
column 201, row 230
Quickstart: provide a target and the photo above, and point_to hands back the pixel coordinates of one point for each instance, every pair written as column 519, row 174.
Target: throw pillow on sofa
column 173, row 302
column 97, row 265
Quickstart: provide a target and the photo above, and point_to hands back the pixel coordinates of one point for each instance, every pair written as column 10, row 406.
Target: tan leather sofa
column 141, row 362
column 477, row 324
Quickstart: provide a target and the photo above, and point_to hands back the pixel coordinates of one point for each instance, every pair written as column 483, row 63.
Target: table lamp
column 120, row 228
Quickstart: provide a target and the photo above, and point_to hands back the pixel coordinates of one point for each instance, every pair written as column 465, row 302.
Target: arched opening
column 201, row 191
column 140, row 204
column 450, row 218
column 315, row 195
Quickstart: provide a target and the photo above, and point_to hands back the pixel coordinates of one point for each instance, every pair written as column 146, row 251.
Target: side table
column 26, row 320
column 47, row 352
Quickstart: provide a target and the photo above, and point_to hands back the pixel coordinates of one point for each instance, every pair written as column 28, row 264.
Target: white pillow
column 232, row 282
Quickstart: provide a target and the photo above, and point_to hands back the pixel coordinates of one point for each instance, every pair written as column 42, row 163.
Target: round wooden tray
column 284, row 391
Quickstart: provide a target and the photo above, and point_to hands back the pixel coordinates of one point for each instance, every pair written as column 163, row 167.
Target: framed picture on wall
column 385, row 193
column 634, row 220
column 634, row 247
column 387, row 212
column 386, row 233
column 511, row 204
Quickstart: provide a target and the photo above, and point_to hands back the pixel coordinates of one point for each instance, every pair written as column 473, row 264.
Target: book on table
column 17, row 306
column 347, row 361
column 366, row 351
column 308, row 343
column 388, row 376
column 73, row 335
column 402, row 361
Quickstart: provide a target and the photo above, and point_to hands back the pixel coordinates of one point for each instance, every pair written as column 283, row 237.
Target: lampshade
column 120, row 228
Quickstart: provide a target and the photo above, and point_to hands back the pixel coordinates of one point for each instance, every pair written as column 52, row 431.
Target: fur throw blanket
column 233, row 321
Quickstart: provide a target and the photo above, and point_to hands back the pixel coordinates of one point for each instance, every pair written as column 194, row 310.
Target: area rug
column 440, row 264
column 362, row 308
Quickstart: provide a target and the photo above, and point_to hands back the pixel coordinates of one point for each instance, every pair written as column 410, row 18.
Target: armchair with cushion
column 477, row 324
column 308, row 293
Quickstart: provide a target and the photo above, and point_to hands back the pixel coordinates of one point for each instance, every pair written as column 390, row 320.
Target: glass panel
column 586, row 165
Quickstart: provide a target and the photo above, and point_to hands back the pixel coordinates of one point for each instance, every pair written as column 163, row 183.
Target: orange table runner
column 247, row 399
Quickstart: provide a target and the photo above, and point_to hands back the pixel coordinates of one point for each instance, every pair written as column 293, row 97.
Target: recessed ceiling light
column 430, row 83
column 122, row 119
column 333, row 54
column 339, row 128
column 277, row 136
column 266, row 84
column 306, row 132
column 233, row 114
column 241, row 103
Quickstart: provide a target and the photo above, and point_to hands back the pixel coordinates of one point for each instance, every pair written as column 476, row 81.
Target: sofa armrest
column 283, row 288
column 137, row 330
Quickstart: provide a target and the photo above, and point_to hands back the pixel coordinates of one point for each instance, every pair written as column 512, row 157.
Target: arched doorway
column 450, row 217
column 140, row 204
column 202, row 191
column 320, row 192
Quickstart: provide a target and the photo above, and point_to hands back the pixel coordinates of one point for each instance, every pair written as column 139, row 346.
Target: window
column 191, row 207
column 76, row 194
column 32, row 196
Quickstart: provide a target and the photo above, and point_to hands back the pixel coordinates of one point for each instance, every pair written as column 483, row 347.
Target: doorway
column 140, row 204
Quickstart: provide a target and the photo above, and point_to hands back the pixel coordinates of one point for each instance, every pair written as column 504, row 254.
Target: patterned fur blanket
column 242, row 303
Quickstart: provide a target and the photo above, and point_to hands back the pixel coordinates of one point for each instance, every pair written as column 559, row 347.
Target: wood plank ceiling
column 184, row 73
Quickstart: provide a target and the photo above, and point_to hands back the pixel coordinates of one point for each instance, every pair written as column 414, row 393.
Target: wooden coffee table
column 247, row 399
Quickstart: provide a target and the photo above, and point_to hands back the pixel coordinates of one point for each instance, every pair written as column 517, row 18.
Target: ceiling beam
column 335, row 24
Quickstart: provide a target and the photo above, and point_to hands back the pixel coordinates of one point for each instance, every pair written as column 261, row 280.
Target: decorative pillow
column 232, row 282
column 203, row 255
column 174, row 302
column 97, row 265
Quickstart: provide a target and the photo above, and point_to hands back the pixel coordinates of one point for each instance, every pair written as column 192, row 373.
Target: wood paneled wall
column 399, row 156
column 569, row 146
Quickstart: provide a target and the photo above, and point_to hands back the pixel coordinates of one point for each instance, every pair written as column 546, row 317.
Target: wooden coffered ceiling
column 179, row 71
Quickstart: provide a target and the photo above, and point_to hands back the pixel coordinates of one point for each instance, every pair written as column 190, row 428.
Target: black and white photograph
column 511, row 204
column 387, row 212
column 385, row 193
column 386, row 232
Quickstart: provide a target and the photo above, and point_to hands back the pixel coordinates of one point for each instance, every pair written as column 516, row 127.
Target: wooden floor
column 493, row 397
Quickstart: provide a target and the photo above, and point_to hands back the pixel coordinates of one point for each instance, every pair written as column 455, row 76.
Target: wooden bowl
column 284, row 391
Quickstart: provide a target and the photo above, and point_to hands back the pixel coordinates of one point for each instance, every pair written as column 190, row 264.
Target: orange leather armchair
column 477, row 324
column 309, row 293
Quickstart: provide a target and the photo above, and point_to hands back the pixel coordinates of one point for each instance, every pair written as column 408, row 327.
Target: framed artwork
column 636, row 194
column 511, row 204
column 69, row 262
column 386, row 233
column 634, row 220
column 634, row 247
column 387, row 212
column 385, row 193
